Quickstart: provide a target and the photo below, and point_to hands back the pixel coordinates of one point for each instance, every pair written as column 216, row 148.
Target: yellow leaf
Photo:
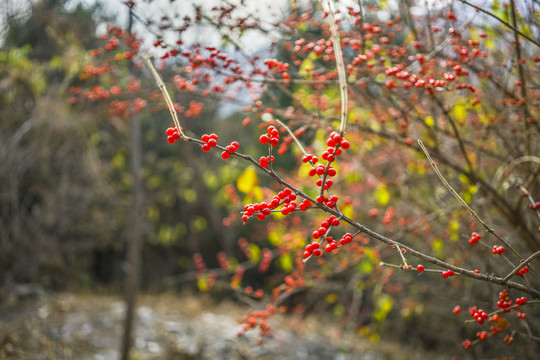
column 429, row 121
column 453, row 230
column 348, row 211
column 254, row 253
column 382, row 195
column 201, row 284
column 306, row 68
column 247, row 181
column 332, row 298
column 383, row 305
column 460, row 113
column 286, row 262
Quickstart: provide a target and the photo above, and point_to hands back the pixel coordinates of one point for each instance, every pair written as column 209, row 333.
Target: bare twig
column 340, row 65
column 502, row 22
column 161, row 85
column 522, row 265
column 465, row 205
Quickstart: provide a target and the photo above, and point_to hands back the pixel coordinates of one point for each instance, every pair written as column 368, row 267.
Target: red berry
column 317, row 252
column 263, row 139
column 225, row 155
column 456, row 310
column 206, row 147
column 420, row 268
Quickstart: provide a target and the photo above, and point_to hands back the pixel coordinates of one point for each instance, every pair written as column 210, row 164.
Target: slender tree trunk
column 134, row 240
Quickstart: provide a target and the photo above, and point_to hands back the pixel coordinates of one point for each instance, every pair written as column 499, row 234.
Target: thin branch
column 522, row 265
column 460, row 199
column 340, row 65
column 456, row 132
column 501, row 21
column 161, row 85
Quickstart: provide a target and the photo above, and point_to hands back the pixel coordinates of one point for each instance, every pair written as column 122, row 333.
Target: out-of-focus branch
column 501, row 21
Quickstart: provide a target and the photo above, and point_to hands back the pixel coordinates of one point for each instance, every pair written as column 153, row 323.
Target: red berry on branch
column 263, row 139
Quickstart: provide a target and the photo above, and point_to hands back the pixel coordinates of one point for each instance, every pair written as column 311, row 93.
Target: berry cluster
column 523, row 270
column 482, row 335
column 474, row 238
column 478, row 314
column 210, row 141
column 521, row 301
column 448, row 273
column 508, row 339
column 265, row 160
column 172, row 135
column 199, row 262
column 535, row 206
column 504, row 300
column 286, row 198
column 271, row 136
column 497, row 249
column 312, row 249
column 321, row 233
column 320, row 169
column 259, row 319
column 266, row 260
column 230, row 149
column 325, row 225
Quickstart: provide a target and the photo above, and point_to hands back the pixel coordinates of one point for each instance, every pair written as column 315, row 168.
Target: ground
column 170, row 326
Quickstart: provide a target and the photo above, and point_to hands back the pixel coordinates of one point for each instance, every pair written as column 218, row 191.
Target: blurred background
column 86, row 172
